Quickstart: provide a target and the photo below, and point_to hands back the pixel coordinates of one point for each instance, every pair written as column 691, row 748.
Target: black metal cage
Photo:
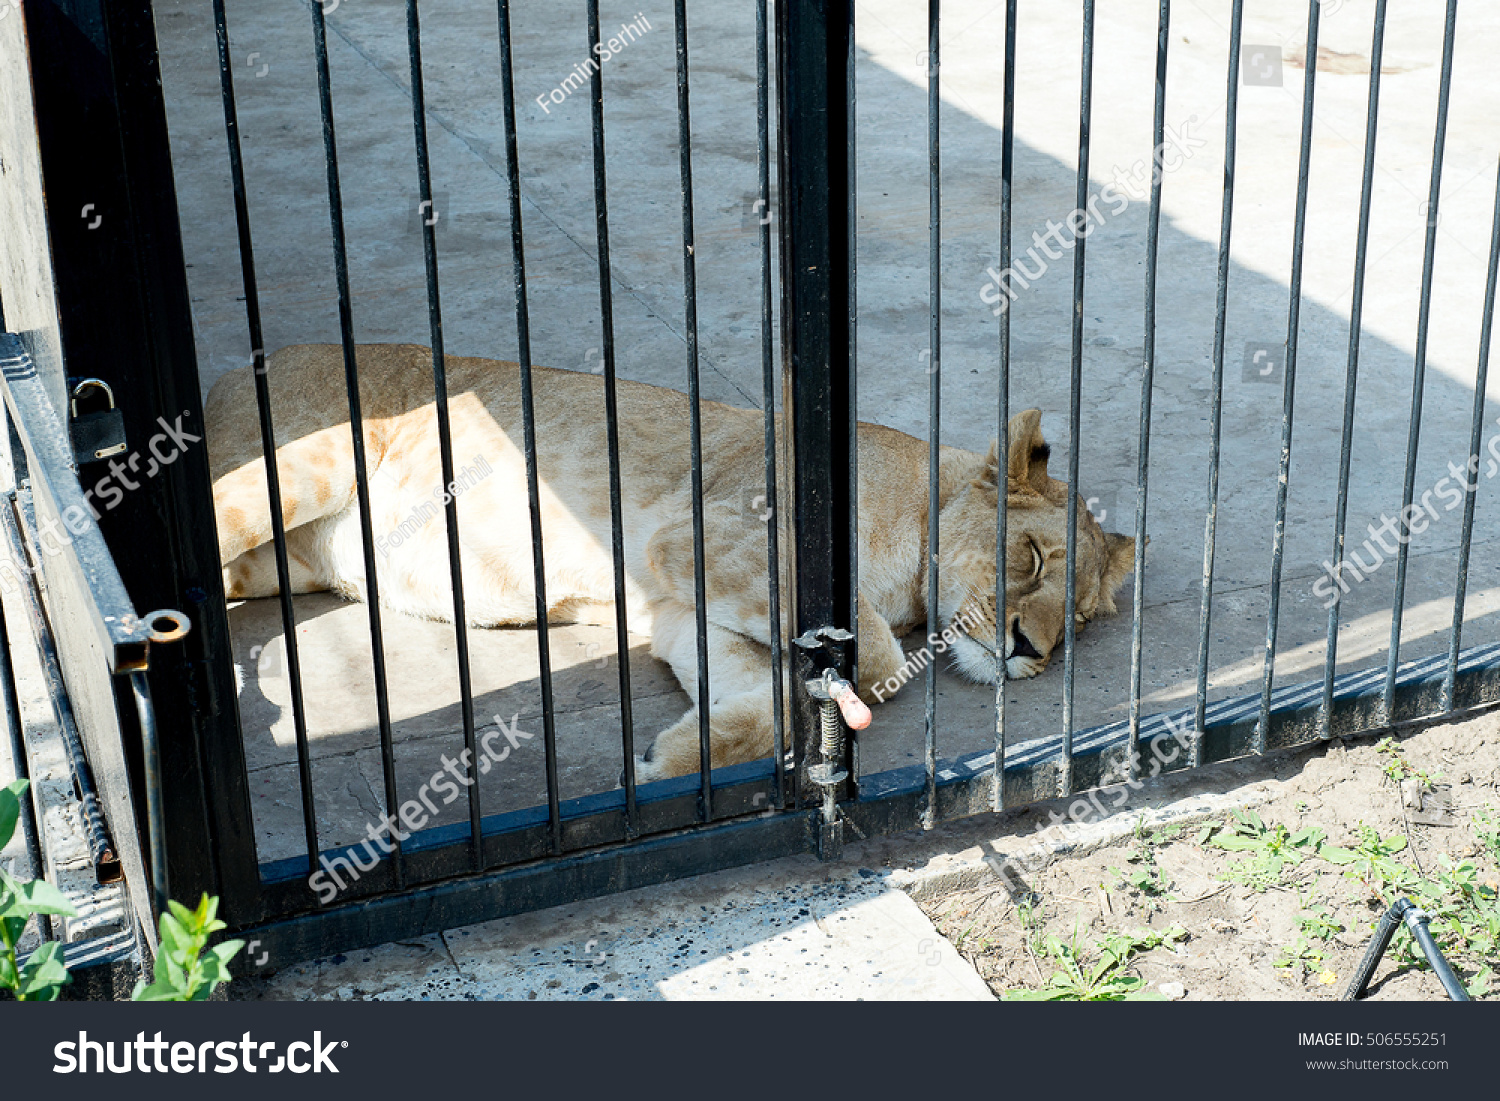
column 86, row 119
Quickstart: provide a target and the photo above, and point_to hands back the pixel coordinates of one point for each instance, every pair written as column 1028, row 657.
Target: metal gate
column 123, row 318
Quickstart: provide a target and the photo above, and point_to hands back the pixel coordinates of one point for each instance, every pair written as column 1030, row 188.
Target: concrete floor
column 791, row 929
column 272, row 47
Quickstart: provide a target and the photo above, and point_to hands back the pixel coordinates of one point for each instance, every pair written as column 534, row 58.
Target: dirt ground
column 1277, row 901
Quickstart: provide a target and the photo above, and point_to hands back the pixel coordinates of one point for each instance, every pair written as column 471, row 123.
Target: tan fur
column 315, row 462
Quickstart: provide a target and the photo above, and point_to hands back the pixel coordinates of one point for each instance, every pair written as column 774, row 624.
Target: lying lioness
column 315, row 460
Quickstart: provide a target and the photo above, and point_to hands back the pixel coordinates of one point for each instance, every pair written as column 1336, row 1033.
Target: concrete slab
column 790, row 929
column 279, row 121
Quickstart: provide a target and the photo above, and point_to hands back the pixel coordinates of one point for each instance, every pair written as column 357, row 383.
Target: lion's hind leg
column 314, row 450
column 253, row 574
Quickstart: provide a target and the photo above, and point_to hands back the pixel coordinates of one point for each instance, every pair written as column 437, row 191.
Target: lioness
column 315, row 460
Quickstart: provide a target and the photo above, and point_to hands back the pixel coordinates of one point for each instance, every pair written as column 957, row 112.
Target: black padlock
column 99, row 434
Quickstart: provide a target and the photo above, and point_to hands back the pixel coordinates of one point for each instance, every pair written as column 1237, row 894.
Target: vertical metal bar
column 1481, row 383
column 1148, row 380
column 611, row 418
column 1211, row 521
column 768, row 395
column 20, row 763
column 444, row 423
column 1419, row 367
column 267, row 434
column 690, row 312
column 812, row 56
column 356, row 428
column 1075, row 413
column 1289, row 382
column 156, row 817
column 1351, row 370
column 528, row 419
column 1002, row 442
column 934, row 390
column 851, row 740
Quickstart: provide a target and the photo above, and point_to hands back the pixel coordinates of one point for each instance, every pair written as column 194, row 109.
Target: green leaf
column 180, row 912
column 35, row 896
column 169, row 976
column 44, row 974
column 1311, row 836
column 1046, row 994
column 1479, row 985
column 156, row 992
column 1335, row 855
column 10, row 809
column 214, row 963
column 176, row 942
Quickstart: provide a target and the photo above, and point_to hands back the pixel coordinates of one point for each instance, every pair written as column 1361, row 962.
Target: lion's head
column 1036, row 560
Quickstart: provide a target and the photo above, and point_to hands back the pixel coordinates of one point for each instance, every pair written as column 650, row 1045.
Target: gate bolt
column 838, row 703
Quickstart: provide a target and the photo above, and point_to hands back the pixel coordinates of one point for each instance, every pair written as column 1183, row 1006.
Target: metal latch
column 821, row 662
column 100, row 433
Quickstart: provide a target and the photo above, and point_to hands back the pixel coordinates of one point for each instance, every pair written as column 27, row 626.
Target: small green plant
column 1302, row 956
column 1032, row 912
column 1487, row 832
column 1372, row 862
column 185, row 972
column 1270, row 849
column 42, row 977
column 1144, row 875
column 1319, row 924
column 1396, row 766
column 1462, row 902
column 1098, row 974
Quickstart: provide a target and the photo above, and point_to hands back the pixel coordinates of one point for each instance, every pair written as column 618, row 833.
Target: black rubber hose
column 1416, row 920
column 1383, row 933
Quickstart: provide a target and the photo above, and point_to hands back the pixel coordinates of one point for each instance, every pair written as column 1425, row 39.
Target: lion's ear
column 989, row 477
column 1119, row 560
column 1027, row 458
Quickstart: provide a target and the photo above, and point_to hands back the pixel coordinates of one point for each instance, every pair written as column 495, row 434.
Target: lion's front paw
column 1019, row 668
column 880, row 665
column 645, row 771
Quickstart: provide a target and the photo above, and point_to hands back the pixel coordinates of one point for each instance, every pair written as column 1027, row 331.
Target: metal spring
column 833, row 730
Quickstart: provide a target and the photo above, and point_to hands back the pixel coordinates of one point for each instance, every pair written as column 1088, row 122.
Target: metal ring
column 168, row 625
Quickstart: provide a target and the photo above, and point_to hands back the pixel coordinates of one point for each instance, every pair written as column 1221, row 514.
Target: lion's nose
column 1022, row 647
